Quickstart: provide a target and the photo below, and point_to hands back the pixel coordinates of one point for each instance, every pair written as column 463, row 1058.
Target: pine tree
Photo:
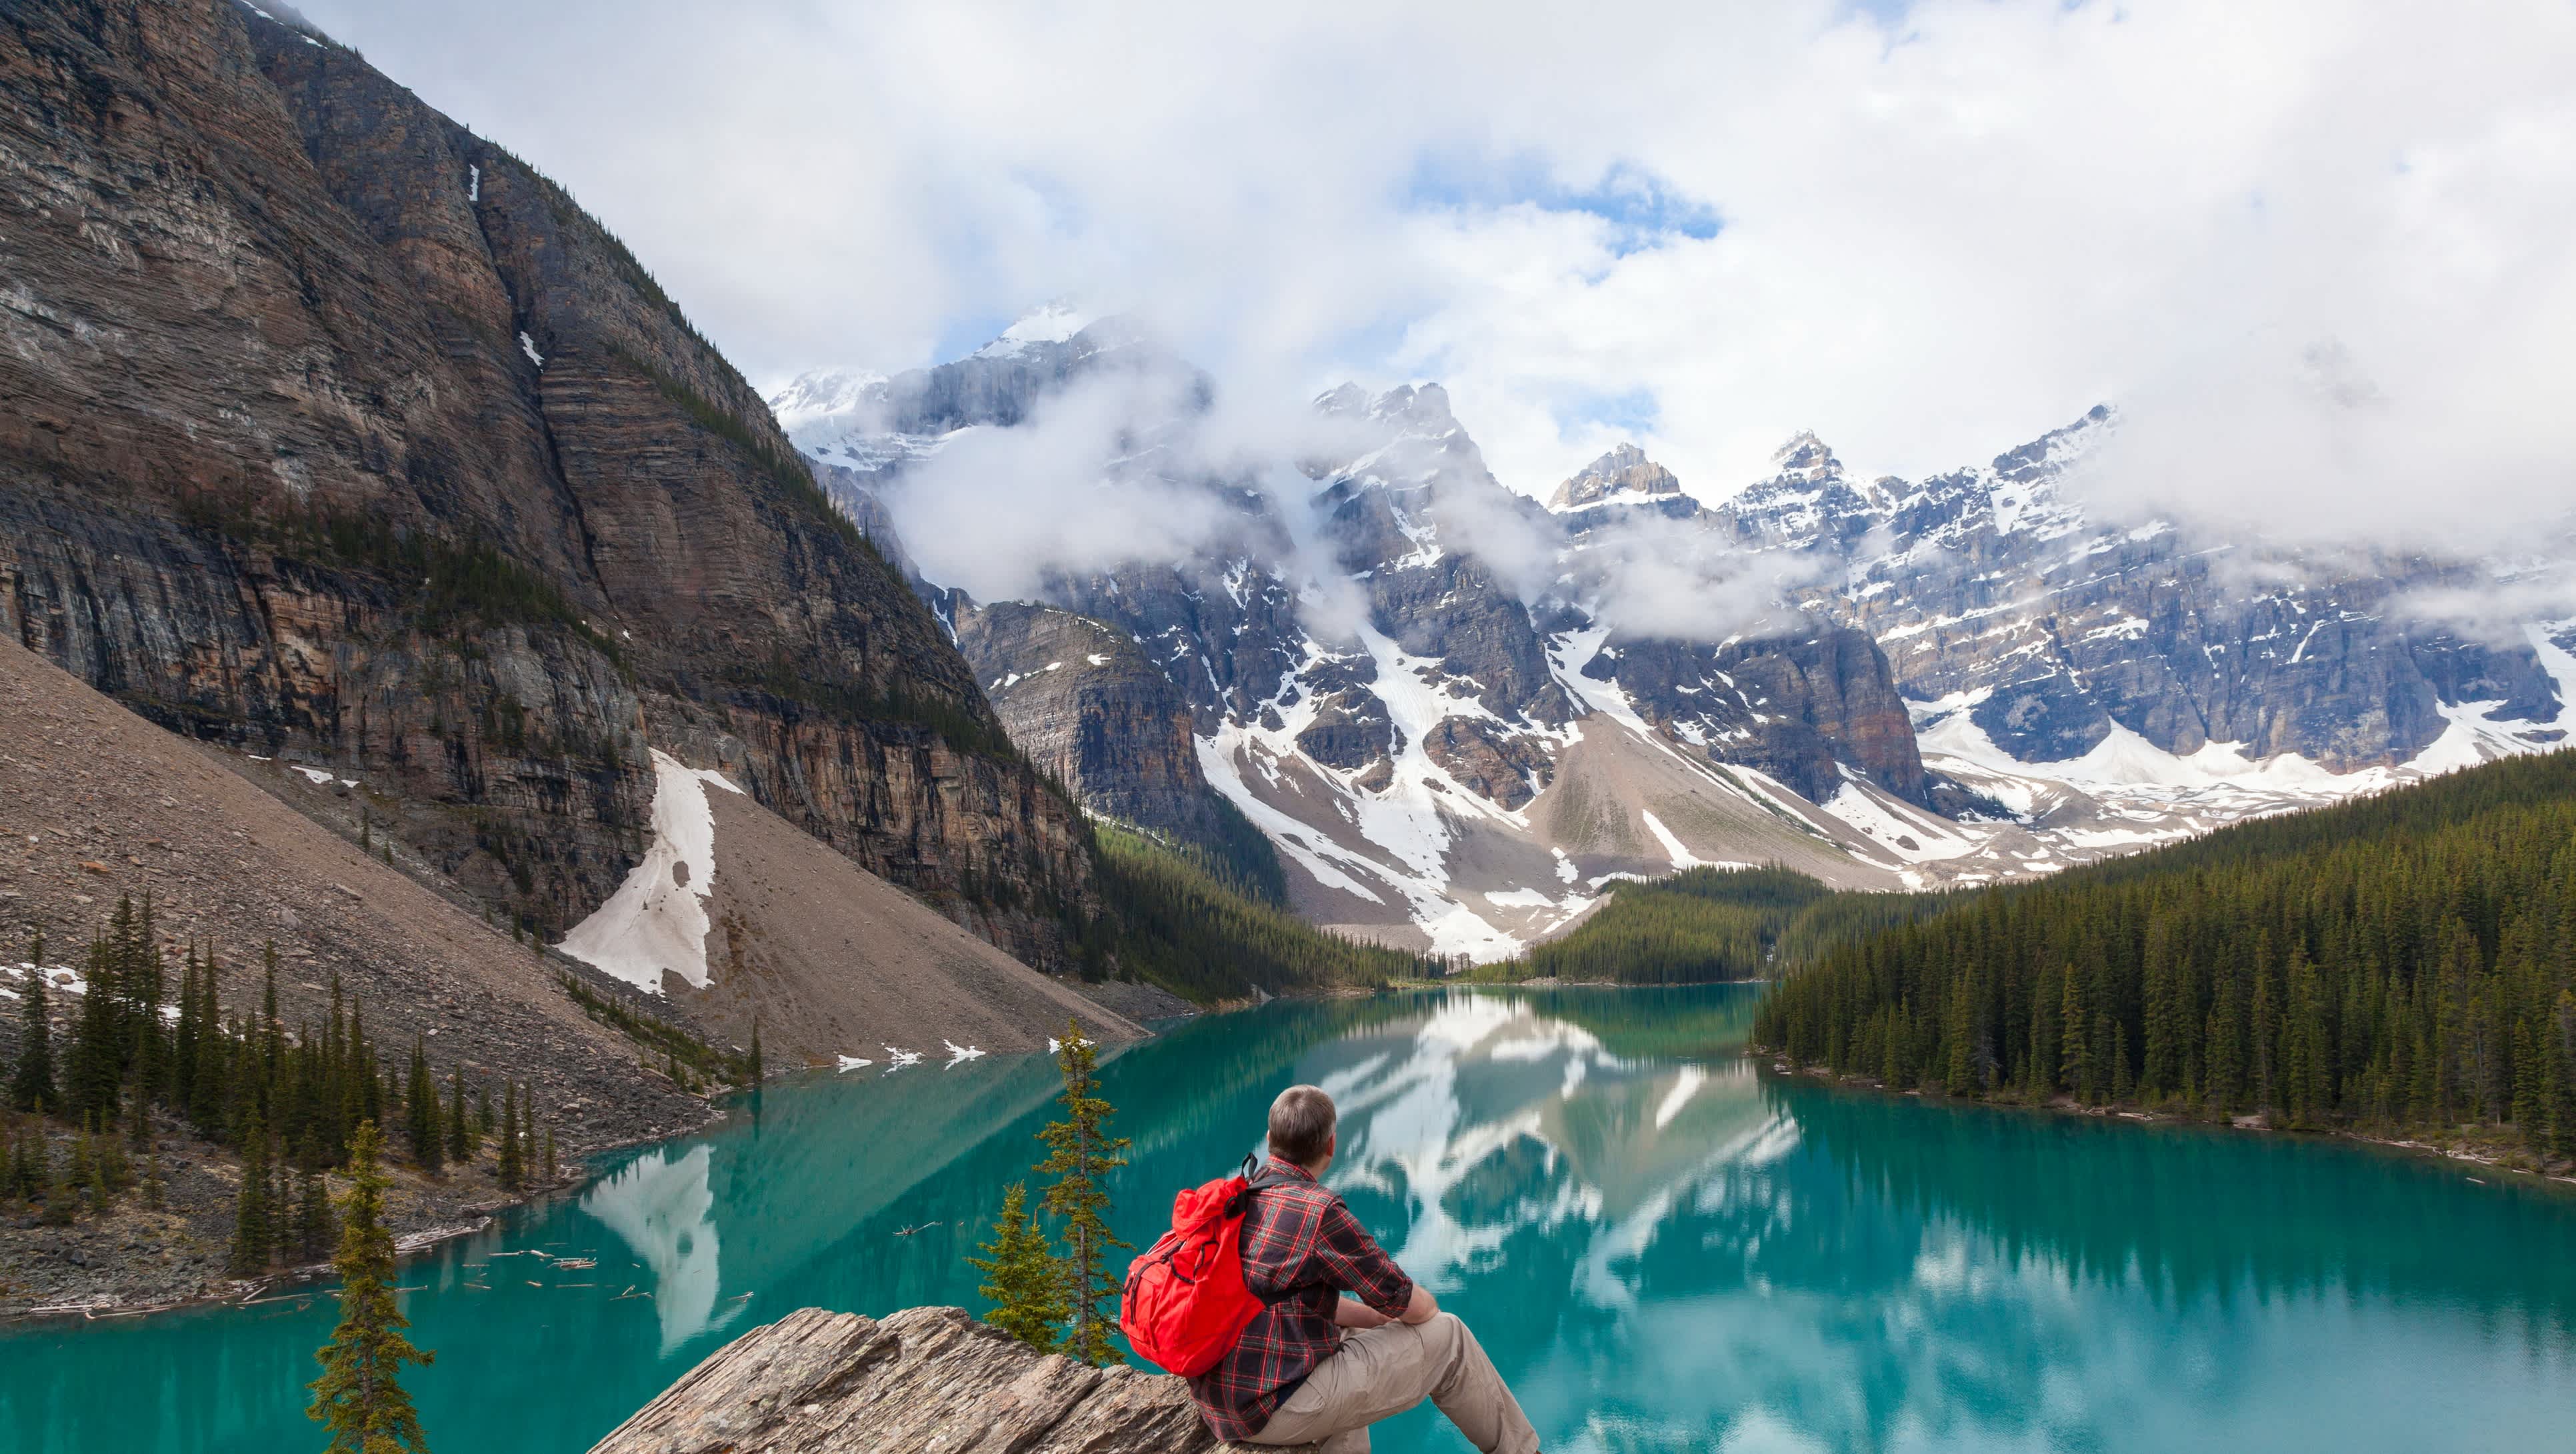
column 755, row 1052
column 2227, row 1048
column 185, row 1037
column 31, row 1085
column 461, row 1141
column 554, row 1177
column 206, row 1086
column 511, row 1162
column 312, row 1218
column 420, row 1108
column 2076, row 1037
column 97, row 1063
column 1080, row 1152
column 252, row 1239
column 1021, row 1277
column 359, row 1398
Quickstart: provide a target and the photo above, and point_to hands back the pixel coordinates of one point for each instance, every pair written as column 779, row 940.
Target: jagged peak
column 1807, row 457
column 1624, row 471
column 1343, row 398
column 2058, row 447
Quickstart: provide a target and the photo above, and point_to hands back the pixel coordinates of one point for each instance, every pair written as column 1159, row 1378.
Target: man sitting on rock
column 1315, row 1366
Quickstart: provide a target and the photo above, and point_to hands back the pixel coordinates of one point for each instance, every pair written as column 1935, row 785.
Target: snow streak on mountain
column 1459, row 715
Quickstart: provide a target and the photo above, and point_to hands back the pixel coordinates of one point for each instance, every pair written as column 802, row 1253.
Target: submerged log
column 917, row 1381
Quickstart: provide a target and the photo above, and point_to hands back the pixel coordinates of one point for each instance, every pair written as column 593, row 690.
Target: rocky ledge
column 922, row 1379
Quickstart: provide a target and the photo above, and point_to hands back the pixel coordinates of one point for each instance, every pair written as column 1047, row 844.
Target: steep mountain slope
column 1365, row 686
column 99, row 805
column 1460, row 715
column 745, row 922
column 339, row 433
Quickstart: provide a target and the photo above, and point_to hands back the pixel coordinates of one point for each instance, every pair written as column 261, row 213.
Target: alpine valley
column 1460, row 714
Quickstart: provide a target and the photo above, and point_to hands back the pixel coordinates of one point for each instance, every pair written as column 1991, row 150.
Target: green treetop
column 1080, row 1151
column 359, row 1396
column 1021, row 1275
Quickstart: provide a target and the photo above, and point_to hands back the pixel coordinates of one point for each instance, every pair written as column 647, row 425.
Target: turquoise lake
column 1662, row 1247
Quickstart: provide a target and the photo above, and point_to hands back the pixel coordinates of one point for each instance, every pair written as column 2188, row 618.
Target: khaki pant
column 1381, row 1372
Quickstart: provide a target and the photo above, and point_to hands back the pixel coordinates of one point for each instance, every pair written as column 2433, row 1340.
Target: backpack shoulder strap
column 1255, row 1180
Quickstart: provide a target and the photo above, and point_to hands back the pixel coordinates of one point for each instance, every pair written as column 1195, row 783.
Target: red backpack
column 1185, row 1303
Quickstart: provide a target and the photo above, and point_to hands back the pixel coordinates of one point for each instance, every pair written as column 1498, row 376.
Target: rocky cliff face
column 1083, row 700
column 341, row 433
column 919, row 1380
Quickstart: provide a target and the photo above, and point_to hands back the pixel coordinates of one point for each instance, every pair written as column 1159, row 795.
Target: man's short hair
column 1301, row 1124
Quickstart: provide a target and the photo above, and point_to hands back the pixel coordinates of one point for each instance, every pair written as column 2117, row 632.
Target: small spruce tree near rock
column 1080, row 1152
column 1021, row 1276
column 359, row 1398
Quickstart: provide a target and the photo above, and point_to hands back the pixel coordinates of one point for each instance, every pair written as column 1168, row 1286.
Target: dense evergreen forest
column 1185, row 923
column 1705, row 924
column 286, row 1101
column 2402, row 963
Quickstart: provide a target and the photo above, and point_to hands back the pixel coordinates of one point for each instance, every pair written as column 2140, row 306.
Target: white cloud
column 996, row 510
column 1941, row 234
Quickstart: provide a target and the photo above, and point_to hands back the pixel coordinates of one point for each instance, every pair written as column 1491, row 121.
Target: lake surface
column 1662, row 1249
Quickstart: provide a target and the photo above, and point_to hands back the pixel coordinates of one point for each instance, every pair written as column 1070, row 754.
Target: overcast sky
column 2323, row 255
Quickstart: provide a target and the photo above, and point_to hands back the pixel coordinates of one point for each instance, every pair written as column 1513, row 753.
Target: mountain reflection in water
column 660, row 1206
column 1662, row 1247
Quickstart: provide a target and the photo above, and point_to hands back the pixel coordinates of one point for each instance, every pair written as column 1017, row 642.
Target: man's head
column 1301, row 1127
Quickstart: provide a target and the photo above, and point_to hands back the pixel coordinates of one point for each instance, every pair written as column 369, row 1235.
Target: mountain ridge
column 1938, row 682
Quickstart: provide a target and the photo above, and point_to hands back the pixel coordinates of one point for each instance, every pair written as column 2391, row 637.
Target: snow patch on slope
column 656, row 922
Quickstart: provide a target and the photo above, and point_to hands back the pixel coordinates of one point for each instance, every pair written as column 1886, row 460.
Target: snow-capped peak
column 1051, row 322
column 1625, row 472
column 810, row 397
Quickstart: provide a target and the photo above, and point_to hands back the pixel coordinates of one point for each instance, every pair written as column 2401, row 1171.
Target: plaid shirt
column 1301, row 1250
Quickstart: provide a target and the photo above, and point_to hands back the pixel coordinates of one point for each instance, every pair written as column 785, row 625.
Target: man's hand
column 1352, row 1313
column 1424, row 1306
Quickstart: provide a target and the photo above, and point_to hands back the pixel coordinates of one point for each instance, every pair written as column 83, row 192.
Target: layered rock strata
column 339, row 433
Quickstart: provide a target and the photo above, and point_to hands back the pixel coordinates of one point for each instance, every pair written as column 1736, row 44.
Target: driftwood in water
column 919, row 1380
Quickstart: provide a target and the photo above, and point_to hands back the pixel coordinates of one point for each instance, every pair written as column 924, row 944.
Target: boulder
column 923, row 1379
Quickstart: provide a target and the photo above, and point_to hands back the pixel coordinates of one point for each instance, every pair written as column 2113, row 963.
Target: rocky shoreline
column 136, row 1259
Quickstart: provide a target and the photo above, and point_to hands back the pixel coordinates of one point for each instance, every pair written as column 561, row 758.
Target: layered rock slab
column 923, row 1379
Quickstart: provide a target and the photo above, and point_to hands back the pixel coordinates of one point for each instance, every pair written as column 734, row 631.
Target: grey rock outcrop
column 1624, row 471
column 1082, row 699
column 917, row 1381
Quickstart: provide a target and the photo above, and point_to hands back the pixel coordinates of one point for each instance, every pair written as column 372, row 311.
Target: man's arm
column 1350, row 1312
column 1354, row 1261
